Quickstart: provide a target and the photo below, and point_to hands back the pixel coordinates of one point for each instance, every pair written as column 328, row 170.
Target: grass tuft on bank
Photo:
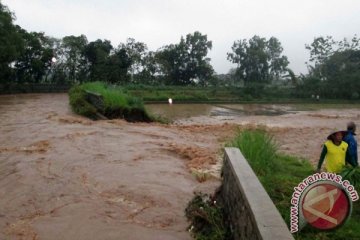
column 279, row 174
column 99, row 99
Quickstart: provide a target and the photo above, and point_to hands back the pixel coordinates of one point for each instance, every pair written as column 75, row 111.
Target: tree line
column 334, row 71
column 33, row 57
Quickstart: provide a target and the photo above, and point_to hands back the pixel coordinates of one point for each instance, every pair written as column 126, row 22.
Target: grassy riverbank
column 194, row 94
column 279, row 174
column 92, row 99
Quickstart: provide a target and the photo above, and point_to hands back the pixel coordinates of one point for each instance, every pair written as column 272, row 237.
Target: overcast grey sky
column 161, row 22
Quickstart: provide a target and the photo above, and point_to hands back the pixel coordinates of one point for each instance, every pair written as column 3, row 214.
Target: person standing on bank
column 334, row 153
column 352, row 156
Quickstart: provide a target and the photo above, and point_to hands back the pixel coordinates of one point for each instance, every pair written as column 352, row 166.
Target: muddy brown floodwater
column 65, row 177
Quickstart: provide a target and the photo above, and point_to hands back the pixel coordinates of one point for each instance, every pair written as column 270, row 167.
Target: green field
column 196, row 94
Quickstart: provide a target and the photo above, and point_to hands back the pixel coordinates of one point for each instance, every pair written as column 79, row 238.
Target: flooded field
column 183, row 111
column 66, row 177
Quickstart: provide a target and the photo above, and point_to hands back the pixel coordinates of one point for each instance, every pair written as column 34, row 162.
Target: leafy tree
column 186, row 62
column 73, row 57
column 278, row 63
column 33, row 64
column 198, row 65
column 172, row 64
column 335, row 72
column 11, row 43
column 136, row 51
column 117, row 67
column 97, row 54
column 150, row 68
column 343, row 74
column 258, row 60
column 322, row 48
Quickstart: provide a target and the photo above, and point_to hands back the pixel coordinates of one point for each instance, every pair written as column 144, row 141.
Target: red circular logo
column 325, row 205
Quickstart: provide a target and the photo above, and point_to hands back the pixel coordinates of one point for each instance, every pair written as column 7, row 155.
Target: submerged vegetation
column 207, row 219
column 96, row 100
column 279, row 174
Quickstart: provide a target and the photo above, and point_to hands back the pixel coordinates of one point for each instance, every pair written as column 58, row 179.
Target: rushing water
column 63, row 176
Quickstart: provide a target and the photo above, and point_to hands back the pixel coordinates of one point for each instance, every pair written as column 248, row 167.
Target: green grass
column 113, row 97
column 116, row 102
column 197, row 94
column 279, row 174
column 258, row 147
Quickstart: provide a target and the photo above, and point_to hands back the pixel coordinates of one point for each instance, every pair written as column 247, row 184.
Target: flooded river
column 65, row 177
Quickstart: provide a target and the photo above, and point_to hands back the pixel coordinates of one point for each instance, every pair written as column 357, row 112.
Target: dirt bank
column 66, row 177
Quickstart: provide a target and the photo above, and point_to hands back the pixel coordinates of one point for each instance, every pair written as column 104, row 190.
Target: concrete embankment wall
column 253, row 214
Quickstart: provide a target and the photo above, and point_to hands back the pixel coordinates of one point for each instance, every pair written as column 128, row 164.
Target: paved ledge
column 252, row 212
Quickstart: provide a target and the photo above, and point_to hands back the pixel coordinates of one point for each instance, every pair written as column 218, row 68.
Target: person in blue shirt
column 352, row 156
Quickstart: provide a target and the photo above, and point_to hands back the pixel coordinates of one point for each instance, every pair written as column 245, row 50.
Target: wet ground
column 65, row 177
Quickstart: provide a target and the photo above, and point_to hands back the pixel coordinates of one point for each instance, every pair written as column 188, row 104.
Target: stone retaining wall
column 96, row 100
column 252, row 213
